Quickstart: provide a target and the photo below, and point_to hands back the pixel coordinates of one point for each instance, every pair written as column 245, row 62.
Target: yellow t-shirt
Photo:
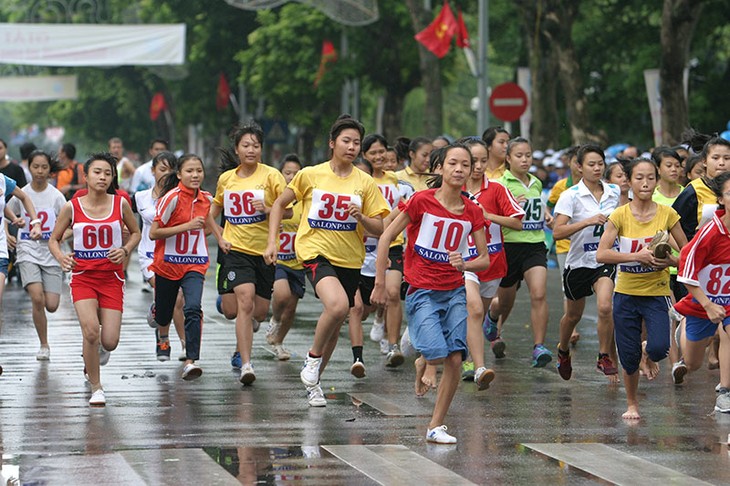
column 326, row 228
column 287, row 255
column 411, row 179
column 388, row 185
column 495, row 174
column 247, row 229
column 561, row 246
column 633, row 278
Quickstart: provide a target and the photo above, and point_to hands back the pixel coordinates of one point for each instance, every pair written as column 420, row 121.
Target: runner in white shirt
column 143, row 178
column 580, row 213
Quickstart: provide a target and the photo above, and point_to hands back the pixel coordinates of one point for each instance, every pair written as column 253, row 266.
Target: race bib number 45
column 437, row 237
column 238, row 206
column 533, row 219
column 330, row 211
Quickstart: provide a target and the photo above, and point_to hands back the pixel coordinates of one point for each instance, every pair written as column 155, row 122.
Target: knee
column 193, row 310
column 110, row 344
column 91, row 333
column 244, row 305
column 657, row 351
column 393, row 295
column 538, row 295
column 339, row 309
column 605, row 310
column 572, row 318
column 51, row 306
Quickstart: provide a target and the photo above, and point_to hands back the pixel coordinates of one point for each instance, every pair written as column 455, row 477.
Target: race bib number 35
column 437, row 237
column 330, row 211
column 238, row 206
column 186, row 248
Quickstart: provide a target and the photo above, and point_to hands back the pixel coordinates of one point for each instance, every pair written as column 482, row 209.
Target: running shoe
column 718, row 388
column 467, row 371
column 406, row 346
column 377, row 332
column 394, row 357
column 151, row 313
column 219, row 305
column 191, row 371
column 439, row 435
column 147, row 287
column 357, row 369
column 541, row 356
column 483, row 377
column 315, row 396
column 565, row 366
column 384, row 346
column 104, row 355
column 272, row 331
column 163, row 349
column 490, row 329
column 183, row 355
column 679, row 370
column 498, row 347
column 722, row 404
column 247, row 374
column 310, row 372
column 44, row 354
column 236, row 360
column 605, row 365
column 97, row 399
column 282, row 354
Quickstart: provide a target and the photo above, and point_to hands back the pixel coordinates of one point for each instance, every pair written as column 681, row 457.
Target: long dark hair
column 171, row 181
column 438, row 158
column 109, row 159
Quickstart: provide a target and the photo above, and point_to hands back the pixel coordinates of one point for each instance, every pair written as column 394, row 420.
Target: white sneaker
column 281, row 353
column 384, row 346
column 247, row 374
column 438, row 435
column 377, row 332
column 483, row 377
column 315, row 396
column 97, row 398
column 394, row 357
column 151, row 316
column 310, row 371
column 44, row 354
column 357, row 369
column 104, row 356
column 191, row 371
column 718, row 388
column 271, row 331
column 406, row 346
column 679, row 370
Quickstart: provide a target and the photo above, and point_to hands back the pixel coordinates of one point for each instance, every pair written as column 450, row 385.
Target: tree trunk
column 679, row 19
column 433, row 112
column 393, row 116
column 543, row 74
column 559, row 18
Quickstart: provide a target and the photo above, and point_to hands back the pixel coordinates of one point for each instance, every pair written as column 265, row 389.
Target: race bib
column 48, row 221
column 632, row 245
column 186, row 248
column 329, row 211
column 93, row 241
column 437, row 237
column 238, row 206
column 715, row 281
column 533, row 219
column 371, row 244
column 286, row 246
column 391, row 194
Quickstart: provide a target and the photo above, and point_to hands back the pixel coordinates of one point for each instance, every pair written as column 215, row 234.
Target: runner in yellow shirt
column 496, row 139
column 413, row 178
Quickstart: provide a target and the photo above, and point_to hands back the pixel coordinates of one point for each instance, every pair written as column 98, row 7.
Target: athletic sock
column 357, row 353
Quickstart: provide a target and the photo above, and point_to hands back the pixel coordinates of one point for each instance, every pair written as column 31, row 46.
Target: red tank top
column 93, row 238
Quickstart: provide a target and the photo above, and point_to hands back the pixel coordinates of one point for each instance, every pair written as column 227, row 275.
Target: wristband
column 35, row 221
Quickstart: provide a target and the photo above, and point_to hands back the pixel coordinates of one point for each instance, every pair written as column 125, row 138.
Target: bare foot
column 613, row 379
column 429, row 377
column 421, row 387
column 649, row 368
column 574, row 338
column 631, row 413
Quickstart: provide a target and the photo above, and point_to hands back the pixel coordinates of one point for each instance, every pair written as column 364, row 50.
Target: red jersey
column 120, row 192
column 187, row 251
column 705, row 262
column 93, row 238
column 432, row 234
column 495, row 199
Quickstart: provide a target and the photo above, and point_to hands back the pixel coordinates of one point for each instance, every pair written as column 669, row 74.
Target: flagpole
column 482, row 66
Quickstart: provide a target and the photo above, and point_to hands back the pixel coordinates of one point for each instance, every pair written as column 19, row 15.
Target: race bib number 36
column 238, row 206
column 330, row 211
column 437, row 237
column 186, row 248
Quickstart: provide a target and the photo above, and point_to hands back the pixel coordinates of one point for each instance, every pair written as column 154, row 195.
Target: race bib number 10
column 437, row 237
column 330, row 211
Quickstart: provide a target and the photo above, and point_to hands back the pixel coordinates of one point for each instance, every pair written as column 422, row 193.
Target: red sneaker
column 605, row 365
column 565, row 367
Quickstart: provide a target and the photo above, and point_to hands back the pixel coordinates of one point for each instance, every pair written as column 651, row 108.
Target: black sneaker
column 163, row 349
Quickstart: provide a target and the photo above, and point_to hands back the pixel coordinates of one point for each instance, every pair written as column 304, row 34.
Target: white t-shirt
column 577, row 203
column 143, row 178
column 48, row 204
column 146, row 208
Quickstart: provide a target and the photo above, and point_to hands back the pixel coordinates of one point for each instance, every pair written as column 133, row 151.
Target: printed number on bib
column 186, row 248
column 533, row 219
column 390, row 193
column 437, row 237
column 633, row 245
column 286, row 246
column 48, row 221
column 593, row 245
column 330, row 211
column 716, row 282
column 238, row 206
column 93, row 241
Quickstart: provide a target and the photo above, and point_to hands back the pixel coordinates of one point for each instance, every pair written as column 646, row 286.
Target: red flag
column 329, row 54
column 462, row 36
column 437, row 36
column 157, row 105
column 223, row 93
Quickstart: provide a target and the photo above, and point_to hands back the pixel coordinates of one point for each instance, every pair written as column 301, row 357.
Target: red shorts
column 104, row 286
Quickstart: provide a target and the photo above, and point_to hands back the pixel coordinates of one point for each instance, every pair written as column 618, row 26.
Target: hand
column 259, row 206
column 456, row 260
column 662, row 263
column 646, row 258
column 225, row 246
column 270, row 254
column 379, row 296
column 355, row 211
column 520, row 200
column 196, row 223
column 116, row 255
column 715, row 312
column 549, row 220
column 18, row 222
column 68, row 263
column 35, row 232
column 12, row 242
column 598, row 219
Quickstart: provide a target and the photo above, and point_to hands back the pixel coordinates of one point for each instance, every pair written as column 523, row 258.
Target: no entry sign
column 508, row 102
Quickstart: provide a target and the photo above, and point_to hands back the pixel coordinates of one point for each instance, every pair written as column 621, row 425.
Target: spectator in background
column 70, row 178
column 10, row 168
column 25, row 150
column 143, row 178
column 628, row 153
column 125, row 167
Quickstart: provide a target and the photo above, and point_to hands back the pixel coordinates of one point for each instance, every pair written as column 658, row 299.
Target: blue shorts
column 698, row 328
column 628, row 313
column 4, row 266
column 294, row 277
column 437, row 321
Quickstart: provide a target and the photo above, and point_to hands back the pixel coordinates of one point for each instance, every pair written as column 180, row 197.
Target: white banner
column 92, row 45
column 38, row 88
column 651, row 80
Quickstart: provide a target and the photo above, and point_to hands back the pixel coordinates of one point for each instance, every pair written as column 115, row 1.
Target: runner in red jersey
column 97, row 220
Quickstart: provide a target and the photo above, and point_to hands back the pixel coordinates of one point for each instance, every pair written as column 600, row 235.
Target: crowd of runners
column 452, row 228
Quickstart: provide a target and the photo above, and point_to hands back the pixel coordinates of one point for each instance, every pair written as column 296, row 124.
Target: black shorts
column 520, row 258
column 678, row 288
column 366, row 286
column 395, row 255
column 319, row 268
column 578, row 282
column 241, row 268
column 295, row 278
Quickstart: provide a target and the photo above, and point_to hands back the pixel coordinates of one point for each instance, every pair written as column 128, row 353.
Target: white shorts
column 144, row 265
column 488, row 289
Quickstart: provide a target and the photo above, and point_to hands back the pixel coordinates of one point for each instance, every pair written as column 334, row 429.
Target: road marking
column 612, row 465
column 178, row 466
column 91, row 469
column 386, row 407
column 395, row 464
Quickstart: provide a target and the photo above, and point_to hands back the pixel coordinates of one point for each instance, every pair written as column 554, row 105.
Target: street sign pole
column 482, row 67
